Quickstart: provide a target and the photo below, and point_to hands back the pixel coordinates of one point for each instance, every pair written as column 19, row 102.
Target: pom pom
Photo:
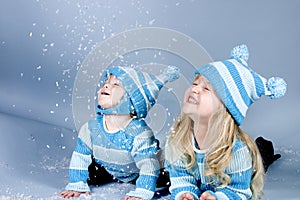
column 240, row 52
column 277, row 86
column 171, row 73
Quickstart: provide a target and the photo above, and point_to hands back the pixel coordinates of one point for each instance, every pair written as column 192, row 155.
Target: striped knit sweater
column 194, row 181
column 126, row 154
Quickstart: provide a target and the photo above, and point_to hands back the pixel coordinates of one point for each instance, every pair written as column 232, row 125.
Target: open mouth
column 192, row 100
column 104, row 93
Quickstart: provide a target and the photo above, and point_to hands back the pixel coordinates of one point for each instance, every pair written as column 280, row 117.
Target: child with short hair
column 208, row 156
column 119, row 138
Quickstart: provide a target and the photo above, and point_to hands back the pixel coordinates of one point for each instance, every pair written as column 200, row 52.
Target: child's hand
column 71, row 193
column 186, row 196
column 207, row 196
column 132, row 198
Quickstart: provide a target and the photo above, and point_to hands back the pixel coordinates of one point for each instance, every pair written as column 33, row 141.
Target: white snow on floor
column 35, row 157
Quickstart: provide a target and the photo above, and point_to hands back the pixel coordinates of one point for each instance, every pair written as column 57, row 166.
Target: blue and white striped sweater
column 126, row 154
column 194, row 181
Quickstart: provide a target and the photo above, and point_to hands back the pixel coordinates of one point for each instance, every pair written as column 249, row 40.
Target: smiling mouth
column 192, row 100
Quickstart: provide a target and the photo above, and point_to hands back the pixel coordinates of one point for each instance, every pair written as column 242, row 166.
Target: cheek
column 214, row 104
column 207, row 105
column 217, row 102
column 118, row 96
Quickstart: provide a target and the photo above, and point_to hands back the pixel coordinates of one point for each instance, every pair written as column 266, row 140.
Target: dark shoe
column 266, row 150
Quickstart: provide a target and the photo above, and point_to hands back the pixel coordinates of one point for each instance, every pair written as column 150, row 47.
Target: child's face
column 111, row 93
column 200, row 100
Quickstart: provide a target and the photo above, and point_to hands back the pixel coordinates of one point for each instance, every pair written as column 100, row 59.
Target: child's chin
column 188, row 109
column 187, row 113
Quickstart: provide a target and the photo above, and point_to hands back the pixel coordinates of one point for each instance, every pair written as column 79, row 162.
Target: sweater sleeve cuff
column 141, row 193
column 78, row 186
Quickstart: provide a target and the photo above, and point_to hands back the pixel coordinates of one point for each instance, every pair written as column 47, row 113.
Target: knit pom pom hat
column 238, row 85
column 141, row 88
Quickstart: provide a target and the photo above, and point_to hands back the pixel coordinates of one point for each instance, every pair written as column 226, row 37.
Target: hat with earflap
column 238, row 85
column 141, row 88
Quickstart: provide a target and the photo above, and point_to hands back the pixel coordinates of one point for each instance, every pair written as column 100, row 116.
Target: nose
column 196, row 89
column 106, row 85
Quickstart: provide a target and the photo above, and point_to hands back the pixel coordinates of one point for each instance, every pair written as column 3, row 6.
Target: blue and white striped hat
column 141, row 88
column 237, row 85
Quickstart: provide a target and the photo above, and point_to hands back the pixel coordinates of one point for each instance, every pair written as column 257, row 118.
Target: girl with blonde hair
column 208, row 156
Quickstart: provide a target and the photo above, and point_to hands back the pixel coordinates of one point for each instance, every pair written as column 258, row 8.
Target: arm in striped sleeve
column 182, row 180
column 144, row 152
column 81, row 159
